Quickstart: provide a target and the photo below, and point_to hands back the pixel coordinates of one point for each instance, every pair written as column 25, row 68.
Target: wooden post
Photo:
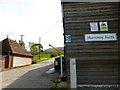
column 9, row 59
column 73, row 77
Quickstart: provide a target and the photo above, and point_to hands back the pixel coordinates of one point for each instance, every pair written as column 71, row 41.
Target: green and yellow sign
column 103, row 26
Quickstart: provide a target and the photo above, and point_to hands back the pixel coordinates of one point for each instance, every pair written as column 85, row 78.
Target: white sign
column 101, row 37
column 94, row 26
column 103, row 26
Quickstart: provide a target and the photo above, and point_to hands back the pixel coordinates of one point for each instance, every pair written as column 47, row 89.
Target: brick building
column 13, row 54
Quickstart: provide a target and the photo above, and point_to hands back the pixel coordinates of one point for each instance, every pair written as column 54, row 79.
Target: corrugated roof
column 14, row 47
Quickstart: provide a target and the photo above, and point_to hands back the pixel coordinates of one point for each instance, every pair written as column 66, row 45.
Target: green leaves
column 22, row 43
column 35, row 48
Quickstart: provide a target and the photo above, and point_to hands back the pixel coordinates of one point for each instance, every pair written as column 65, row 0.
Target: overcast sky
column 33, row 19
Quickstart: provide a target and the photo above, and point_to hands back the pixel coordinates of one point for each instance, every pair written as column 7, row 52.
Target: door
column 7, row 62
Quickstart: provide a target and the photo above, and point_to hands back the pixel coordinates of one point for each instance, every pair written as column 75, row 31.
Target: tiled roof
column 14, row 47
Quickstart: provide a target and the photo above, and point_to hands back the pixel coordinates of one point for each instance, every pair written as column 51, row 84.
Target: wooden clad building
column 13, row 54
column 92, row 37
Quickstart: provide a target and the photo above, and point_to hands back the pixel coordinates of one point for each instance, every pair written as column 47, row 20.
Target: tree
column 22, row 43
column 35, row 48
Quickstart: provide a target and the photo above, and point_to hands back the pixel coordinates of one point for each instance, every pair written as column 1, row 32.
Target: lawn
column 42, row 57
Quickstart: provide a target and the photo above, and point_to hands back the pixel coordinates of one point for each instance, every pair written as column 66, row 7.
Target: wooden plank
column 97, row 62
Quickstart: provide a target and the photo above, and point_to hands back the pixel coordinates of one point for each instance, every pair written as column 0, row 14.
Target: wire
column 51, row 29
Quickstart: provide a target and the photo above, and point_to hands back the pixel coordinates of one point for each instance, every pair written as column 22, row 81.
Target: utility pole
column 21, row 41
column 21, row 37
column 7, row 36
column 39, row 46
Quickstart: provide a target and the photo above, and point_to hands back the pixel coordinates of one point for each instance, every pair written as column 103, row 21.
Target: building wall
column 7, row 61
column 90, row 0
column 20, row 61
column 1, row 63
column 97, row 61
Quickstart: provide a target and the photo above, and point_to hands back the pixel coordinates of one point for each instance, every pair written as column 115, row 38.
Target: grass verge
column 42, row 58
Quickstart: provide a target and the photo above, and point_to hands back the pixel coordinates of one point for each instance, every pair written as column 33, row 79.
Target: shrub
column 34, row 61
column 54, row 54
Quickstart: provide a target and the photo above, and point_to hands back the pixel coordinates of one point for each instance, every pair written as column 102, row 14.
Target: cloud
column 9, row 33
column 15, row 8
column 15, row 1
column 36, row 22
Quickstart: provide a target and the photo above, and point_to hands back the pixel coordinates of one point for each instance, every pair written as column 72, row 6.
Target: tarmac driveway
column 32, row 76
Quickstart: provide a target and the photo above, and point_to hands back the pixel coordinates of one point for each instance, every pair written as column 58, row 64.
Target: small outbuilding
column 13, row 54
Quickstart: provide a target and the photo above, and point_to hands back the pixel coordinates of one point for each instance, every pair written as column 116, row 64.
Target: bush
column 51, row 55
column 34, row 61
column 54, row 54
